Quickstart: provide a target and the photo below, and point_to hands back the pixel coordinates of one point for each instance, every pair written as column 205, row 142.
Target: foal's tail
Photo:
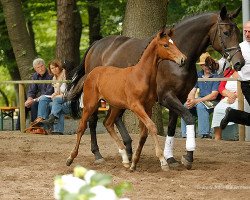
column 75, row 88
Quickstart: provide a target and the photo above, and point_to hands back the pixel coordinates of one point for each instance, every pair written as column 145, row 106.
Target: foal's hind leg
column 87, row 112
column 144, row 117
column 80, row 131
column 109, row 124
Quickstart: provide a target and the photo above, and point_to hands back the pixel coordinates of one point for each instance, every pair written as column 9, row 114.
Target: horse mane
column 185, row 19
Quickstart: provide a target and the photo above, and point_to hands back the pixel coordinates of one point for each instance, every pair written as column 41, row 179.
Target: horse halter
column 225, row 51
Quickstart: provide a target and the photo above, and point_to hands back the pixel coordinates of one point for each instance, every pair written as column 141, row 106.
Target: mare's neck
column 192, row 36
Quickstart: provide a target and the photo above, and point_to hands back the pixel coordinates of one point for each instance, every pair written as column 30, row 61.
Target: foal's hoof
column 172, row 163
column 126, row 165
column 186, row 163
column 132, row 168
column 165, row 168
column 69, row 161
column 99, row 161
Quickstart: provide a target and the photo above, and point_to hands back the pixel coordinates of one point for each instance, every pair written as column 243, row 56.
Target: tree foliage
column 41, row 20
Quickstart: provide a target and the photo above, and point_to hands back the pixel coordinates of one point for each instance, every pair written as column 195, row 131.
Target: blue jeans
column 59, row 107
column 202, row 114
column 43, row 107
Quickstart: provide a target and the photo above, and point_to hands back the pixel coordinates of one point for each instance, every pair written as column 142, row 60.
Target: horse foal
column 131, row 88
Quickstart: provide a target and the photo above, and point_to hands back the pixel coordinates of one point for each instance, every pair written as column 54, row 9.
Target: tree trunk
column 143, row 18
column 94, row 21
column 20, row 40
column 67, row 45
column 77, row 35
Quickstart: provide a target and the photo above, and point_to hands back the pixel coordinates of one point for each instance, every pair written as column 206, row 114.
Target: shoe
column 36, row 121
column 49, row 122
column 57, row 133
column 207, row 136
column 225, row 119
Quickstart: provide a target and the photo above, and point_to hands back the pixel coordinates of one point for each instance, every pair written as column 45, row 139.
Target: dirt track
column 29, row 163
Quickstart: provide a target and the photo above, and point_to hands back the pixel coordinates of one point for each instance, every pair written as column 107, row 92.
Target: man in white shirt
column 237, row 116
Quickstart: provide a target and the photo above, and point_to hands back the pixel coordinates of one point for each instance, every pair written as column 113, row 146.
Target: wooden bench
column 6, row 111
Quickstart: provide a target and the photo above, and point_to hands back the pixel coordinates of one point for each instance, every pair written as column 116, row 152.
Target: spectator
column 59, row 107
column 36, row 90
column 228, row 90
column 58, row 72
column 208, row 92
column 233, row 115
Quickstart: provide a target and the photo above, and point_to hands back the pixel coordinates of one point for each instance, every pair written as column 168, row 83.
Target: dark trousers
column 33, row 114
column 245, row 87
column 241, row 117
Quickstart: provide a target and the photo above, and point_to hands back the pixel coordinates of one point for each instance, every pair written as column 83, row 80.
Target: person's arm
column 210, row 97
column 33, row 88
column 191, row 98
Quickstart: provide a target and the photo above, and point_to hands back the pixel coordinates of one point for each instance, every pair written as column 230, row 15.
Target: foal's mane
column 151, row 38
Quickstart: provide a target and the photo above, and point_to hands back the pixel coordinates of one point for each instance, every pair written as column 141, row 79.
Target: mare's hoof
column 69, row 161
column 186, row 163
column 126, row 165
column 129, row 157
column 99, row 161
column 172, row 163
column 165, row 168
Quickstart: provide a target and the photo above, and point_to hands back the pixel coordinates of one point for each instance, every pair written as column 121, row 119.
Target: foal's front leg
column 150, row 125
column 142, row 140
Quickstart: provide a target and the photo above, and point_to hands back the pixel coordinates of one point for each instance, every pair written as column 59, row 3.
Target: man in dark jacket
column 36, row 90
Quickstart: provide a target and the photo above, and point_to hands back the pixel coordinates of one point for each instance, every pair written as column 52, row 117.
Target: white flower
column 69, row 183
column 88, row 175
column 102, row 193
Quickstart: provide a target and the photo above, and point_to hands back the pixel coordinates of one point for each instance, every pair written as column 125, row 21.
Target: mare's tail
column 75, row 88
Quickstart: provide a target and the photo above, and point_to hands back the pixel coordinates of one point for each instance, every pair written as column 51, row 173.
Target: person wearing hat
column 199, row 106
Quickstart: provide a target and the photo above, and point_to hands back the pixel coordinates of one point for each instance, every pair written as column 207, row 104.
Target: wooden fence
column 21, row 86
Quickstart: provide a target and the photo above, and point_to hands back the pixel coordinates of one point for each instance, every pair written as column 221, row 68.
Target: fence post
column 22, row 107
column 240, row 107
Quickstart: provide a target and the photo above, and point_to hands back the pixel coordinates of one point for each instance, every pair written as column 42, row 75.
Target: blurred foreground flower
column 86, row 184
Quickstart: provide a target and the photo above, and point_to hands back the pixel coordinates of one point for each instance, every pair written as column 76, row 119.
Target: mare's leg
column 87, row 112
column 173, row 103
column 94, row 146
column 124, row 134
column 109, row 124
column 169, row 143
column 150, row 125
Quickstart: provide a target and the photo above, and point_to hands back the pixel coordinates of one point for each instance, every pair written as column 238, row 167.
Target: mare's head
column 166, row 49
column 224, row 37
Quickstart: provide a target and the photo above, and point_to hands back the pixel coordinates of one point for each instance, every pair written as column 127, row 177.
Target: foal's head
column 167, row 49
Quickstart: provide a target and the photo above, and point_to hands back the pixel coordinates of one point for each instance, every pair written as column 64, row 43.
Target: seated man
column 36, row 90
column 208, row 91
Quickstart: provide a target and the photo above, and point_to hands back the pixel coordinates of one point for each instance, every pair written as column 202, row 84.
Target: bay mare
column 192, row 36
column 134, row 89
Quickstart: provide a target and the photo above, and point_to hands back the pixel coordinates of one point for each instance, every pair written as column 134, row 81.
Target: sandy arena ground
column 29, row 163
